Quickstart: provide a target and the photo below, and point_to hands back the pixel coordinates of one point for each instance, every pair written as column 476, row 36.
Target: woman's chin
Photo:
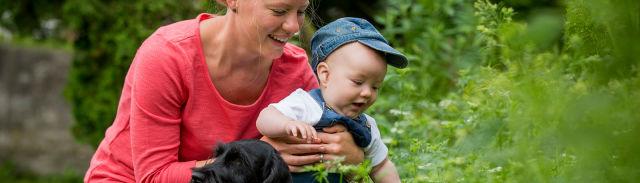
column 273, row 54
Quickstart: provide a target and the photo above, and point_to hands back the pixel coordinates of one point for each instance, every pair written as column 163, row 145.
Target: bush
column 536, row 99
column 108, row 35
column 10, row 173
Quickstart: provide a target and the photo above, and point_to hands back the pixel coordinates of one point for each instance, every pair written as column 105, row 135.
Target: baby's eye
column 357, row 82
column 375, row 88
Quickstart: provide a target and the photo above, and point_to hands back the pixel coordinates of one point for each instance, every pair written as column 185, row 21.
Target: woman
column 197, row 82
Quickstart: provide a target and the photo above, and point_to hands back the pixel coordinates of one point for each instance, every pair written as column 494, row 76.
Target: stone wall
column 35, row 118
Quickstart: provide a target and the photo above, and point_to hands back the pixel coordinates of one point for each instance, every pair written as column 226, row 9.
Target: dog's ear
column 275, row 169
column 229, row 153
column 233, row 157
column 220, row 149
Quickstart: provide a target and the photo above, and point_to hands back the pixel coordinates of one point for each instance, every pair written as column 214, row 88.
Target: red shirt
column 170, row 113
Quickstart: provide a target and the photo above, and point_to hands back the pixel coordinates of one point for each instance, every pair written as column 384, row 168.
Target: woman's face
column 268, row 24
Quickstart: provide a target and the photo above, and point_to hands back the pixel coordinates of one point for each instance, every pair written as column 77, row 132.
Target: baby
column 349, row 57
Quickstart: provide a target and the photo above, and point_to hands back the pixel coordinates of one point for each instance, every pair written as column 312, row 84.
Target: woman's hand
column 204, row 162
column 295, row 152
column 338, row 142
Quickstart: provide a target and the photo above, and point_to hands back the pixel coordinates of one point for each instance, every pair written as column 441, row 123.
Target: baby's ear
column 323, row 73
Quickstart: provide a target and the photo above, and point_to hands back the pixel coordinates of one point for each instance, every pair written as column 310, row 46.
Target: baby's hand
column 302, row 130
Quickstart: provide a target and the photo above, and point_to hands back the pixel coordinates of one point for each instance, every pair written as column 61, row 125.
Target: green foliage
column 26, row 18
column 530, row 104
column 355, row 173
column 108, row 35
column 9, row 173
column 608, row 30
column 438, row 37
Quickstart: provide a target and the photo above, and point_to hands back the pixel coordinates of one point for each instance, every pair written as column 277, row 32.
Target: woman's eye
column 279, row 12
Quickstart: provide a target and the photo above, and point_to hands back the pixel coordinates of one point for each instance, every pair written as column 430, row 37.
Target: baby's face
column 351, row 77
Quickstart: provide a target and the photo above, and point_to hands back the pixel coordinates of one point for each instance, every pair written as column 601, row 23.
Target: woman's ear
column 232, row 5
column 323, row 73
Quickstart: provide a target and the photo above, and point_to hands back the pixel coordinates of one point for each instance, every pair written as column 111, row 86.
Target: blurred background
column 496, row 91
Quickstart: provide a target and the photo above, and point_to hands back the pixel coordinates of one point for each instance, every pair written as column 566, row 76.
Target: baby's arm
column 272, row 123
column 385, row 172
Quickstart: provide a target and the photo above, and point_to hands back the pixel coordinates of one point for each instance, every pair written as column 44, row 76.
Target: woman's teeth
column 282, row 40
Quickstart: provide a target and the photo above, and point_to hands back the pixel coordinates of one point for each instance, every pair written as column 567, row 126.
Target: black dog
column 244, row 161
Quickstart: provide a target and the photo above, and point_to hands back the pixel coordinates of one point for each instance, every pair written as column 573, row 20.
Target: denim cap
column 346, row 30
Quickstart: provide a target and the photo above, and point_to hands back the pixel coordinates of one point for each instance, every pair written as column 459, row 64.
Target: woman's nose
column 292, row 24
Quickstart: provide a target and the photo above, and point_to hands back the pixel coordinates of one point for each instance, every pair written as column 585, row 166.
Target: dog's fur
column 244, row 161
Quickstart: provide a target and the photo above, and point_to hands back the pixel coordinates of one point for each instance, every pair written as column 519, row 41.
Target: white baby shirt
column 301, row 106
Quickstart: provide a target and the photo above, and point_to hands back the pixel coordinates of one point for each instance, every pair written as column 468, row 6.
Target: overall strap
column 317, row 96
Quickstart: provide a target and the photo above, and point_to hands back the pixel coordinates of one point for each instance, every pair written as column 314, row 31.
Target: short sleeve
column 300, row 106
column 377, row 150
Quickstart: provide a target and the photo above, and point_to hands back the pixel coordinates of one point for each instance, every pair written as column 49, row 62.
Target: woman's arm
column 157, row 95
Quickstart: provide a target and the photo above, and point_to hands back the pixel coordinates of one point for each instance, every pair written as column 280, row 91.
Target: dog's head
column 244, row 161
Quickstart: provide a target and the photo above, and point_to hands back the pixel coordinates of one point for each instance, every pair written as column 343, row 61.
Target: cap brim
column 392, row 56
